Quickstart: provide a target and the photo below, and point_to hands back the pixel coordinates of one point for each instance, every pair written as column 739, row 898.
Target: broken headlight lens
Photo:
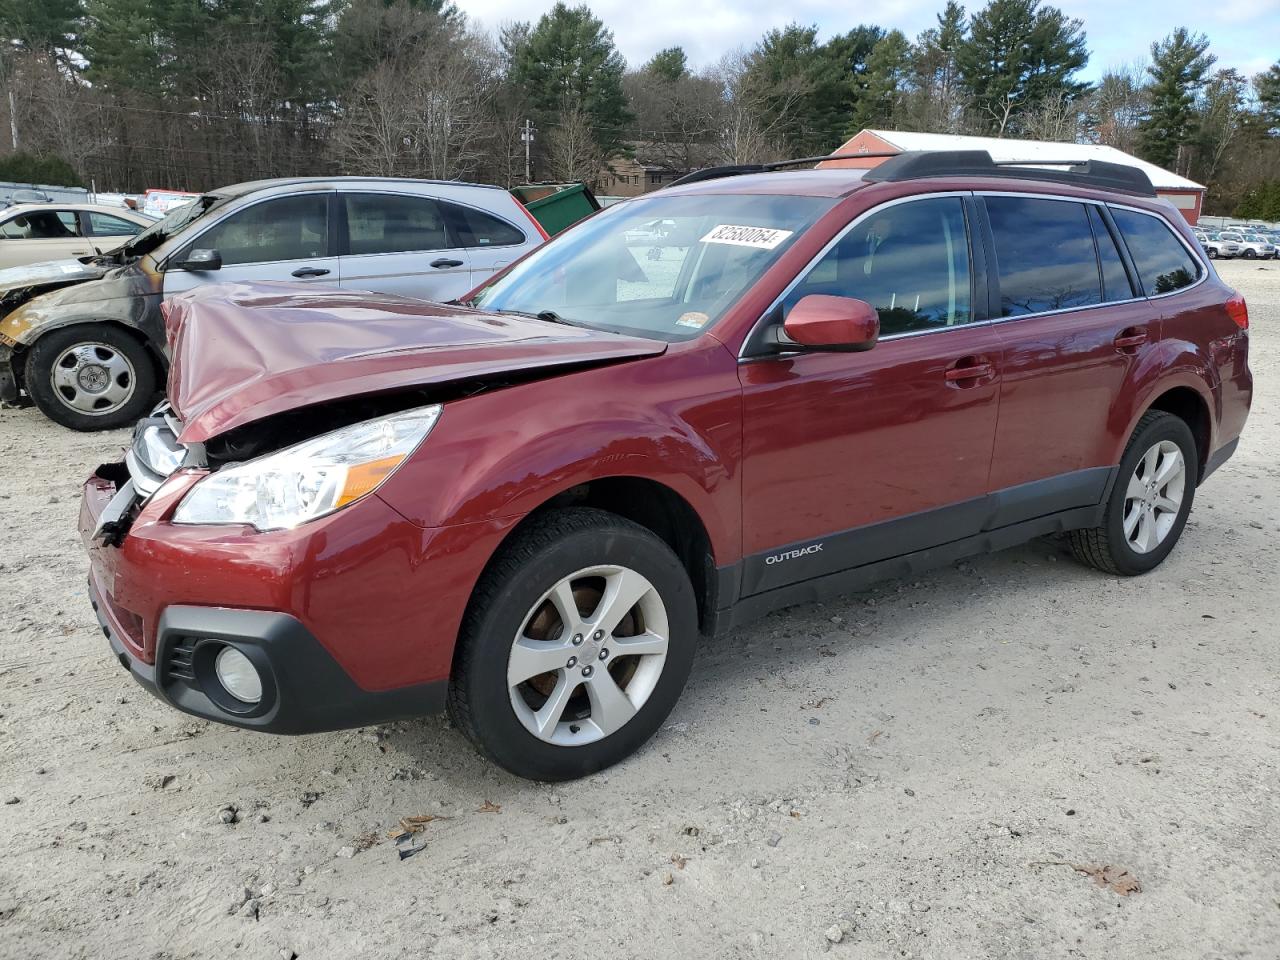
column 310, row 479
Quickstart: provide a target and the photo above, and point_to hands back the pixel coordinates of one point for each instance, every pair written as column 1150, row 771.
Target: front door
column 283, row 238
column 850, row 458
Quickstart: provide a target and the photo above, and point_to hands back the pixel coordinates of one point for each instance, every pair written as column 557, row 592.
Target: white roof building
column 1186, row 195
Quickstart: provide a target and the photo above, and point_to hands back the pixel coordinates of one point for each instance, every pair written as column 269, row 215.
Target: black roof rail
column 738, row 169
column 916, row 164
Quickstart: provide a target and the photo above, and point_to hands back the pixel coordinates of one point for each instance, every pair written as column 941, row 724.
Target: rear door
column 1075, row 328
column 851, row 458
column 401, row 243
column 279, row 238
column 106, row 231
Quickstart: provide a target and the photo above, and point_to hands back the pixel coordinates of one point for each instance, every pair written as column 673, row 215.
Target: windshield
column 658, row 266
column 166, row 227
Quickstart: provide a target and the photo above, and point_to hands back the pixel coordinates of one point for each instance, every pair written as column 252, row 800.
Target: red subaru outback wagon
column 749, row 390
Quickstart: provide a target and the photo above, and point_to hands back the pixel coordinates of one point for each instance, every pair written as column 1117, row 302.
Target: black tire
column 549, row 549
column 1249, row 254
column 1213, row 254
column 141, row 383
column 1106, row 547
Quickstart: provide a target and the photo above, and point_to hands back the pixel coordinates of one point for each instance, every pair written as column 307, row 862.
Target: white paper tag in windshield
column 762, row 238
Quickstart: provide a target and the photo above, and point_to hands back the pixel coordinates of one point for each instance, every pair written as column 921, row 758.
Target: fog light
column 238, row 675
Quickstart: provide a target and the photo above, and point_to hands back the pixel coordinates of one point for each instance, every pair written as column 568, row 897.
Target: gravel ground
column 928, row 769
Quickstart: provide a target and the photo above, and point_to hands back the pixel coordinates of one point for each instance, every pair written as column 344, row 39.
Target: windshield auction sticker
column 762, row 238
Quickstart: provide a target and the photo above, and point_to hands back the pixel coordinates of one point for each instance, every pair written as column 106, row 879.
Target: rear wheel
column 576, row 645
column 90, row 377
column 1213, row 254
column 1249, row 254
column 1149, row 503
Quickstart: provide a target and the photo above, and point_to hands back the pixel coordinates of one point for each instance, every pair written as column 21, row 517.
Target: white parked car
column 34, row 233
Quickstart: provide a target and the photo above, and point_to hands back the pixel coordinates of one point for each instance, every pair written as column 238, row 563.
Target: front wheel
column 576, row 645
column 90, row 377
column 1149, row 503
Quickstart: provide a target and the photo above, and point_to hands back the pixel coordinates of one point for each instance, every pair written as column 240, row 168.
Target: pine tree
column 1018, row 55
column 569, row 64
column 1179, row 66
column 879, row 90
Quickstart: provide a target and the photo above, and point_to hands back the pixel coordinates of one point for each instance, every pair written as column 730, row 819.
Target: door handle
column 968, row 371
column 444, row 262
column 310, row 272
column 1128, row 340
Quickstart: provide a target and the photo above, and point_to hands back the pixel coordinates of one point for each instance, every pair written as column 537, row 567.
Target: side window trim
column 1130, row 268
column 751, row 346
column 344, row 247
column 186, row 248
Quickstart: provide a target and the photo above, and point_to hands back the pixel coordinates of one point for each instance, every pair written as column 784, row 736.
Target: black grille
column 179, row 661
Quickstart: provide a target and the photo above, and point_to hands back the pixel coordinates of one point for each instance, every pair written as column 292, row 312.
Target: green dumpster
column 557, row 205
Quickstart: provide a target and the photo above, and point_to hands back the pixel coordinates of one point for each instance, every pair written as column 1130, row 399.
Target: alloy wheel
column 588, row 655
column 1154, row 496
column 92, row 378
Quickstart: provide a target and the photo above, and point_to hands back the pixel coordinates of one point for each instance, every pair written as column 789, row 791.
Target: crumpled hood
column 242, row 352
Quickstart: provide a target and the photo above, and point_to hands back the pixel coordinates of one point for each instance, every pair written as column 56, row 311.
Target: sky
column 1244, row 34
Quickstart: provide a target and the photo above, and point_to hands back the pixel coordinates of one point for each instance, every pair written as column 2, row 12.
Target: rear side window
column 105, row 225
column 910, row 261
column 1164, row 264
column 394, row 223
column 479, row 229
column 286, row 228
column 1115, row 281
column 42, row 225
column 1044, row 254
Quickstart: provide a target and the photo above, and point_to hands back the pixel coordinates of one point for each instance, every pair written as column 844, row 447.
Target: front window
column 662, row 266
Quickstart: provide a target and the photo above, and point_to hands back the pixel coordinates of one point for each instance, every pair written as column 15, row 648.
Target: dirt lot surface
column 928, row 769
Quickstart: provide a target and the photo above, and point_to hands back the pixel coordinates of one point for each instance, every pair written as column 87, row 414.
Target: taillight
column 1238, row 311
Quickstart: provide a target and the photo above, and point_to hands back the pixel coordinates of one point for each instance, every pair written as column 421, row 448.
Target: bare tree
column 1057, row 117
column 1116, row 106
column 743, row 131
column 571, row 147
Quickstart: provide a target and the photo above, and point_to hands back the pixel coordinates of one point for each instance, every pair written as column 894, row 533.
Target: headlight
column 311, row 479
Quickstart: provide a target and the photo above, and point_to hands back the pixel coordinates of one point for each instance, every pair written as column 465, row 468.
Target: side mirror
column 200, row 260
column 821, row 322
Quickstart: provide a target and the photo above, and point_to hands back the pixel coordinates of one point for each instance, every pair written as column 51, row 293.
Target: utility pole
column 13, row 122
column 527, row 136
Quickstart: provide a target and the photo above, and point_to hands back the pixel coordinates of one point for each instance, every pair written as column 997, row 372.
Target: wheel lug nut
column 597, row 635
column 573, row 662
column 604, row 654
column 588, row 670
column 577, row 639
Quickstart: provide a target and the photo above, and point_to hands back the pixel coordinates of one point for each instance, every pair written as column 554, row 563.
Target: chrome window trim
column 994, row 321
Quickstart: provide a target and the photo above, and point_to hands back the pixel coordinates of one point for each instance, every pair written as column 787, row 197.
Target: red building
column 1186, row 195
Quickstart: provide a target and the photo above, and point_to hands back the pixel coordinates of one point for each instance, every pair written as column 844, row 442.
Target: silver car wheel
column 588, row 655
column 1154, row 496
column 92, row 378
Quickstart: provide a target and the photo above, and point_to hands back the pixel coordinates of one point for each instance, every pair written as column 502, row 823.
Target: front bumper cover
column 8, row 379
column 304, row 689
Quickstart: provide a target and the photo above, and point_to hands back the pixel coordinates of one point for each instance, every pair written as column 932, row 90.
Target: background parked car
column 1216, row 247
column 86, row 342
column 1252, row 245
column 31, row 233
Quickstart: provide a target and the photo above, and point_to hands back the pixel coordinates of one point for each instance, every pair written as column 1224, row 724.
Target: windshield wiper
column 548, row 315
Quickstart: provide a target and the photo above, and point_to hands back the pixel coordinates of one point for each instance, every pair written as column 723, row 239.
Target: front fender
column 674, row 419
